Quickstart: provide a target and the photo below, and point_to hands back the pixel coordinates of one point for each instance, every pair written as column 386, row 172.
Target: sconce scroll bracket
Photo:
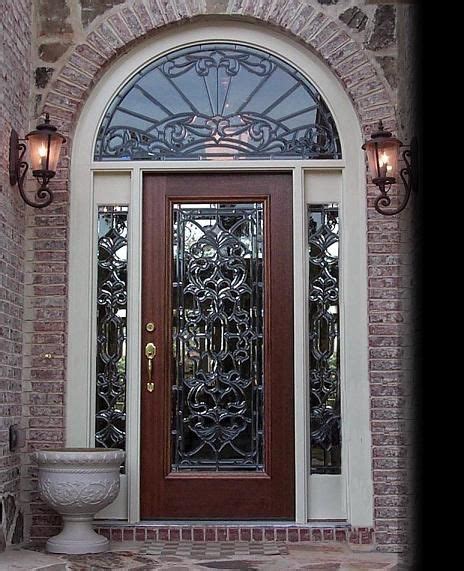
column 18, row 169
column 409, row 176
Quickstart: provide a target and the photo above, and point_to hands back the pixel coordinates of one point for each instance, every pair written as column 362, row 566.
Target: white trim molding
column 341, row 181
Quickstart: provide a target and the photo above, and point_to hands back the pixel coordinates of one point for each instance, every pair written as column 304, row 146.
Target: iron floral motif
column 324, row 338
column 110, row 416
column 218, row 101
column 218, row 338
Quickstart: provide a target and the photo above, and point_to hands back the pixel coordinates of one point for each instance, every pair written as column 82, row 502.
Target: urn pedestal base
column 78, row 537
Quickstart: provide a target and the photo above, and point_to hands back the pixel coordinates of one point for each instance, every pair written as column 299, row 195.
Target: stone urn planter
column 78, row 483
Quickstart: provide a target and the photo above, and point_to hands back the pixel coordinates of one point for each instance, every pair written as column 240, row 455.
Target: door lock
column 150, row 354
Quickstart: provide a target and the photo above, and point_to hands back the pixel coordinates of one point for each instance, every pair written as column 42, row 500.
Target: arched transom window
column 217, row 101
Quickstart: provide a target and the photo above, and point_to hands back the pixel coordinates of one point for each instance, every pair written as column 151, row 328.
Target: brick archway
column 132, row 22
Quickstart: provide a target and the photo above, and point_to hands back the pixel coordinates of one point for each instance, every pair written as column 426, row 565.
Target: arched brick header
column 133, row 21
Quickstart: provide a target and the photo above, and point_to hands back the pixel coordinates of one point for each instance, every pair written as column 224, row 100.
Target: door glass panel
column 218, row 330
column 110, row 409
column 324, row 339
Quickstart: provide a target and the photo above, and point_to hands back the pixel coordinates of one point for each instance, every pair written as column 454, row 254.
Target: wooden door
column 217, row 429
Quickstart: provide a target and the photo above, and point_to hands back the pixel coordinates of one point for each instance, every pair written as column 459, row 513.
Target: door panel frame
column 84, row 188
column 275, row 192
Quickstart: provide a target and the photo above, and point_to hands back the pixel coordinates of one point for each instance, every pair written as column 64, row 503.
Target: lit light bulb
column 383, row 159
column 42, row 152
column 384, row 167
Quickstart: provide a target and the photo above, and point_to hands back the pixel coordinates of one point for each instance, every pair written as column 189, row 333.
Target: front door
column 217, row 429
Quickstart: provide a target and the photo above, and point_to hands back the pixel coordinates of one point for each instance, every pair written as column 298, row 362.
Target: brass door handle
column 150, row 354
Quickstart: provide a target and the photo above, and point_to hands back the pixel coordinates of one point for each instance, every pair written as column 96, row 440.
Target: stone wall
column 76, row 40
column 15, row 85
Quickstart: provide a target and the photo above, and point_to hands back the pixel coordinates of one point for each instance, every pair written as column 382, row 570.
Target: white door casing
column 346, row 497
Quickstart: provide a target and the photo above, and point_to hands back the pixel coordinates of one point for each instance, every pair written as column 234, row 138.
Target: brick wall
column 75, row 41
column 409, row 115
column 15, row 75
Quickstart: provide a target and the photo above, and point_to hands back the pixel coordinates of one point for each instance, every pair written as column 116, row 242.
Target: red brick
column 269, row 534
column 90, row 54
column 328, row 534
column 116, row 534
column 132, row 22
column 340, row 535
column 313, row 27
column 316, row 534
column 109, row 36
column 100, row 45
column 292, row 534
column 142, row 14
column 120, row 27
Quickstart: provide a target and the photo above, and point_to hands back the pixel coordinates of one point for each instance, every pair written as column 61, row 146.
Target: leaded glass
column 218, row 313
column 218, row 101
column 110, row 413
column 324, row 339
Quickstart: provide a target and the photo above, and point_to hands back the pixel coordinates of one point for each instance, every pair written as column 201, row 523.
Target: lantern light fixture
column 383, row 151
column 44, row 151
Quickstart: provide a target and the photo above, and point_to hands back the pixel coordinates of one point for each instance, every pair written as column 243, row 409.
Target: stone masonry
column 74, row 41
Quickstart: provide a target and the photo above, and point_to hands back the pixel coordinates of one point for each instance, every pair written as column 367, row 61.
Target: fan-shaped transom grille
column 218, row 101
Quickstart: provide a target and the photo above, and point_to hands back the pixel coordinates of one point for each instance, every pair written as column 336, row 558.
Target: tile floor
column 196, row 556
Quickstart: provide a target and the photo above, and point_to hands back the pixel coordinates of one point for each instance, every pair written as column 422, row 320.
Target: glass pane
column 218, row 101
column 218, row 322
column 324, row 339
column 110, row 413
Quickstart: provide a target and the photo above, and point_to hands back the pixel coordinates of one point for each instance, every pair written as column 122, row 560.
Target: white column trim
column 358, row 479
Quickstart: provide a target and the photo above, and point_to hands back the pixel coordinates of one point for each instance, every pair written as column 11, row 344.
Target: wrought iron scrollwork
column 110, row 415
column 324, row 339
column 218, row 101
column 218, row 337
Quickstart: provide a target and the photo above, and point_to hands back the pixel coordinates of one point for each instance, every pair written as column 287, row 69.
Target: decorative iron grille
column 218, row 101
column 324, row 339
column 218, row 313
column 110, row 413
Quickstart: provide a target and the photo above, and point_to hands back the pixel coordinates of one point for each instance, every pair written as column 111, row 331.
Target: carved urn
column 78, row 483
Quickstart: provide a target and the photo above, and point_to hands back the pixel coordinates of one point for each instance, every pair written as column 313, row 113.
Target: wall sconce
column 382, row 153
column 44, row 150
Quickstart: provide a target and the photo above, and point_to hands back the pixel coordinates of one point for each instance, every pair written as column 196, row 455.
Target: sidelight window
column 324, row 339
column 110, row 407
